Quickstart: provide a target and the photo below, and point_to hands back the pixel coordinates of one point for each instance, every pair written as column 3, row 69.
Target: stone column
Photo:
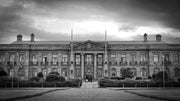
column 82, row 65
column 95, row 65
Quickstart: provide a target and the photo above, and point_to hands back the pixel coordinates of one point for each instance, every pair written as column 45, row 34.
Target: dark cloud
column 16, row 17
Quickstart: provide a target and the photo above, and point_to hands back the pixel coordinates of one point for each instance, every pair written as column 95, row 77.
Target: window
column 44, row 58
column 143, row 72
column 78, row 73
column 34, row 73
column 133, row 57
column 113, row 57
column 2, row 58
column 143, row 57
column 123, row 58
column 88, row 58
column 54, row 58
column 34, row 58
column 44, row 73
column 156, row 70
column 11, row 73
column 166, row 57
column 12, row 58
column 21, row 72
column 100, row 73
column 113, row 72
column 64, row 73
column 21, row 57
column 156, row 58
column 99, row 59
column 78, row 59
column 64, row 59
column 176, row 57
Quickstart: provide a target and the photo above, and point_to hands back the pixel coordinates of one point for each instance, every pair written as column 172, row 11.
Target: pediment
column 89, row 46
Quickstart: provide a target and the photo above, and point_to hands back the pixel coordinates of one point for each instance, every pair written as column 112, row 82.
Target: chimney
column 19, row 37
column 32, row 37
column 145, row 37
column 158, row 37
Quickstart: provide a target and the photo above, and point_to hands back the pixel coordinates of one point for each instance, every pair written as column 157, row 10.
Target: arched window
column 156, row 70
column 21, row 72
column 143, row 72
column 34, row 72
column 133, row 70
column 44, row 73
column 177, row 72
column 54, row 70
column 11, row 73
column 113, row 72
column 64, row 72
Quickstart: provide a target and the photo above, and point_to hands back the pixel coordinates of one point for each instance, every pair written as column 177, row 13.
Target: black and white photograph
column 89, row 50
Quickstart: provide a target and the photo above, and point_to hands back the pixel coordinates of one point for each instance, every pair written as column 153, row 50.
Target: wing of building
column 79, row 59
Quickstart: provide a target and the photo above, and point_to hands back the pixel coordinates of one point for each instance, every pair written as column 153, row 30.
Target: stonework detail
column 24, row 59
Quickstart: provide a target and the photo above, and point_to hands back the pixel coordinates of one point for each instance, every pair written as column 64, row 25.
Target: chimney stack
column 32, row 37
column 19, row 37
column 145, row 37
column 158, row 37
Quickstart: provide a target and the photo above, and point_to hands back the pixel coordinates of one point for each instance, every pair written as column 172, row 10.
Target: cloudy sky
column 122, row 19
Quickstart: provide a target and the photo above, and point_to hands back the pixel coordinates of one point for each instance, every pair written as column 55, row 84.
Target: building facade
column 79, row 59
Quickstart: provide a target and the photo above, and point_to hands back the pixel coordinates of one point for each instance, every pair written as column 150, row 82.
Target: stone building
column 79, row 59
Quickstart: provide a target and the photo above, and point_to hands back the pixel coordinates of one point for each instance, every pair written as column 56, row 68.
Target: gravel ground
column 173, row 94
column 89, row 94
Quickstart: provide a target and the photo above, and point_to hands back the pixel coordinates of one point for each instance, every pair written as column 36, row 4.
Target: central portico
column 89, row 63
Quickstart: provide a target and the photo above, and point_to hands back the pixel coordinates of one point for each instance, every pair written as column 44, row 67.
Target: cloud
column 130, row 18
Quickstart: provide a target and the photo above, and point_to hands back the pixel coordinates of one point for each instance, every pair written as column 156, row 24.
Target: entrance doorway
column 89, row 77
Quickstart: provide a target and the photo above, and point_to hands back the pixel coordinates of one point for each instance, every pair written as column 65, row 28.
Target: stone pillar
column 82, row 65
column 95, row 65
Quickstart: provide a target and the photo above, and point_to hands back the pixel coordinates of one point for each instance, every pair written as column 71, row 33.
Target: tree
column 40, row 75
column 159, row 76
column 52, row 78
column 35, row 79
column 3, row 73
column 127, row 73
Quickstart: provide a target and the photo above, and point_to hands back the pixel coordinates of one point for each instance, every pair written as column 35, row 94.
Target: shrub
column 54, row 73
column 117, row 78
column 40, row 75
column 61, row 79
column 127, row 73
column 4, row 79
column 138, row 78
column 35, row 79
column 52, row 78
column 179, row 79
column 159, row 76
column 3, row 73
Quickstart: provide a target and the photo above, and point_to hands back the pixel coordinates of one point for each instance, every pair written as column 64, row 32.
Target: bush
column 52, row 78
column 54, row 73
column 127, row 73
column 4, row 79
column 159, row 76
column 138, row 78
column 40, row 75
column 117, row 78
column 35, row 79
column 61, row 79
column 3, row 73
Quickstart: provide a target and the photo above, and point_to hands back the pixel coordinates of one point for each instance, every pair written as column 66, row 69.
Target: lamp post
column 163, row 72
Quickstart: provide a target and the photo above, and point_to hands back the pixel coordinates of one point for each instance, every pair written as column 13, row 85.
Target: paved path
column 90, row 84
column 89, row 94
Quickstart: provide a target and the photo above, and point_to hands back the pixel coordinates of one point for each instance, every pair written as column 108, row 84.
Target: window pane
column 123, row 58
column 156, row 58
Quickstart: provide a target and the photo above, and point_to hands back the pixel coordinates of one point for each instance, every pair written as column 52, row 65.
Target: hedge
column 71, row 83
column 120, row 83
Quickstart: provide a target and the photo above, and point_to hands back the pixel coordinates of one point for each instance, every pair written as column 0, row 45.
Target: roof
column 68, row 42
